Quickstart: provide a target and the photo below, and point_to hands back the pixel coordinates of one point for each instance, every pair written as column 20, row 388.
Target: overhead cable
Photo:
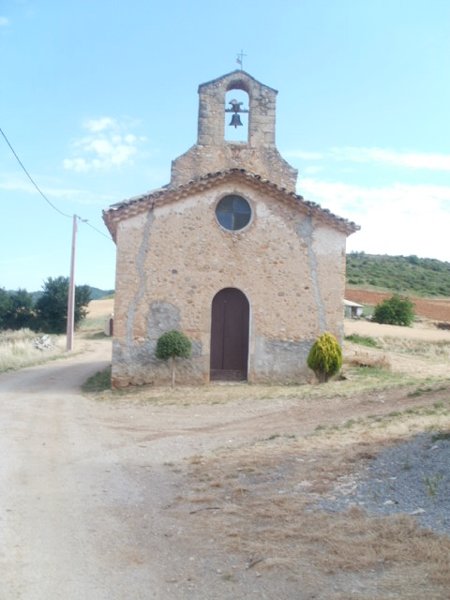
column 42, row 193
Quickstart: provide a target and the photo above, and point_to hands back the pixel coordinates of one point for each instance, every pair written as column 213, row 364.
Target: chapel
column 227, row 253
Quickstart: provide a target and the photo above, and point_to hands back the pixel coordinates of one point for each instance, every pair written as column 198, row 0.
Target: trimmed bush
column 325, row 357
column 173, row 344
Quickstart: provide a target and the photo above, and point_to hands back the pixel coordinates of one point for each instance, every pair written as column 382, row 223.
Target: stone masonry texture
column 212, row 153
column 173, row 256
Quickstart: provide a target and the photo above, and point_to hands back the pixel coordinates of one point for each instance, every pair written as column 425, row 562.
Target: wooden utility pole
column 71, row 295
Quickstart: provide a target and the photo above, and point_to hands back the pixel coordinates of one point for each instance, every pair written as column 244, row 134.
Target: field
column 100, row 308
column 436, row 309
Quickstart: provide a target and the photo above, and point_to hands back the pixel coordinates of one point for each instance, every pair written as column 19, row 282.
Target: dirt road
column 89, row 489
column 84, row 487
column 81, row 490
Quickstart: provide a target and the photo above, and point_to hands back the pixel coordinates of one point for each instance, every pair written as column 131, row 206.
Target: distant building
column 353, row 310
column 228, row 253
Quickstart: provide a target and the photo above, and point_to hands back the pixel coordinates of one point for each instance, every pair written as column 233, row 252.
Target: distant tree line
column 48, row 313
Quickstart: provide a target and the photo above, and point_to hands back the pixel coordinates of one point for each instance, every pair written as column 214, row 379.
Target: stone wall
column 173, row 260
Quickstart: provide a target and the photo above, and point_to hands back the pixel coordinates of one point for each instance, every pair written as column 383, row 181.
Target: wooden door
column 229, row 335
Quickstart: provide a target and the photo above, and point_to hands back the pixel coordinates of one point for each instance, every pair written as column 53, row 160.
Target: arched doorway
column 229, row 335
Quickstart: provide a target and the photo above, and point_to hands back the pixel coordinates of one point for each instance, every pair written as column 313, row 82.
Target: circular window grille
column 233, row 213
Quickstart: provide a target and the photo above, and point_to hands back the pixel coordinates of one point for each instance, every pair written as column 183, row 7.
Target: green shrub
column 325, row 357
column 173, row 344
column 364, row 340
column 98, row 382
column 396, row 310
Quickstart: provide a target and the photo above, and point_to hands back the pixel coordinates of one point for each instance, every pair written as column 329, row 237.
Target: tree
column 16, row 310
column 396, row 310
column 173, row 344
column 22, row 313
column 325, row 357
column 51, row 307
column 5, row 308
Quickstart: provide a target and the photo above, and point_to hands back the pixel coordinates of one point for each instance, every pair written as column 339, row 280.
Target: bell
column 235, row 120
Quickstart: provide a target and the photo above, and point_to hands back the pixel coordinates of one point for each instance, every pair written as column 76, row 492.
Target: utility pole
column 71, row 295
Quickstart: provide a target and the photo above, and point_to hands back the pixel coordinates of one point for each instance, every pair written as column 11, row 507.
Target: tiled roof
column 164, row 195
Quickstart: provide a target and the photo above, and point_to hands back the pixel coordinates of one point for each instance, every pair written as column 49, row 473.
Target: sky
column 97, row 97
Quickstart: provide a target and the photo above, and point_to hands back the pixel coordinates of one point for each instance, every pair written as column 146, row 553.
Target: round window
column 233, row 213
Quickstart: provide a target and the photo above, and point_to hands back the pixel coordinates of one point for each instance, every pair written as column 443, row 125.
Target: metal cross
column 240, row 59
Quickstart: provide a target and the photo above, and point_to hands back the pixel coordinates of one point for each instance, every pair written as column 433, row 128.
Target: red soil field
column 438, row 310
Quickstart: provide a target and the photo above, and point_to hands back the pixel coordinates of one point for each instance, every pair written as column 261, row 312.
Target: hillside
column 96, row 294
column 403, row 274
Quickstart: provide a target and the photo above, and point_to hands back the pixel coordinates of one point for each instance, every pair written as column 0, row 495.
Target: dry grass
column 360, row 358
column 365, row 370
column 259, row 500
column 438, row 350
column 98, row 311
column 17, row 349
column 100, row 308
column 355, row 380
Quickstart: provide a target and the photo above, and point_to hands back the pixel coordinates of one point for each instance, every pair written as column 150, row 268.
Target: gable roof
column 165, row 195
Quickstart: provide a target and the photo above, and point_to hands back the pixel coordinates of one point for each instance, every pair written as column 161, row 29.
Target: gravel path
column 412, row 478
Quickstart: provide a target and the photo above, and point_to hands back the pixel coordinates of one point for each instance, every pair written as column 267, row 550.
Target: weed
column 18, row 349
column 98, row 382
column 432, row 484
column 441, row 435
column 417, row 392
column 439, row 404
column 363, row 340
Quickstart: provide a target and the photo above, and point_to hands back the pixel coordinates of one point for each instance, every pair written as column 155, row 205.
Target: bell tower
column 213, row 152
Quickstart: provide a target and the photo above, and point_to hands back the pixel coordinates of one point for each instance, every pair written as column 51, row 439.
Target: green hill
column 402, row 274
column 96, row 294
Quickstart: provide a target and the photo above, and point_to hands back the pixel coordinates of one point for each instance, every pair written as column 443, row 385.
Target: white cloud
column 409, row 160
column 4, row 21
column 312, row 169
column 96, row 125
column 397, row 219
column 108, row 144
column 14, row 184
column 10, row 182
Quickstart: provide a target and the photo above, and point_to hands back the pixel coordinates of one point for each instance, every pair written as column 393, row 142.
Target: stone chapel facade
column 229, row 254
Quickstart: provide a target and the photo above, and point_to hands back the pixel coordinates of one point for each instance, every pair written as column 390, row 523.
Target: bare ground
column 437, row 309
column 209, row 492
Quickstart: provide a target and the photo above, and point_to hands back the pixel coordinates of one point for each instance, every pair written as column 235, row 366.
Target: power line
column 31, row 179
column 42, row 193
column 86, row 222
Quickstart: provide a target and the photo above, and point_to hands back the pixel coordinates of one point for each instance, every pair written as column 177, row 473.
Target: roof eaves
column 165, row 194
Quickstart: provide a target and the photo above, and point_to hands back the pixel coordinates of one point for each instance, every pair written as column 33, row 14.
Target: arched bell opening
column 236, row 115
column 230, row 312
